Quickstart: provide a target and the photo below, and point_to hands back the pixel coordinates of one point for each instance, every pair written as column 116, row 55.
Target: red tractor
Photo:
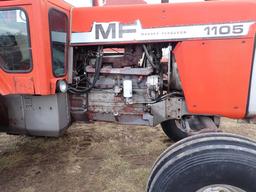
column 181, row 65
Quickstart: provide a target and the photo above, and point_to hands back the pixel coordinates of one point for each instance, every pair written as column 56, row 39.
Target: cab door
column 34, row 38
column 16, row 63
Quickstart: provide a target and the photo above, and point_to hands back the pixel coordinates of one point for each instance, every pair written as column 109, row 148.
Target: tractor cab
column 33, row 46
column 34, row 38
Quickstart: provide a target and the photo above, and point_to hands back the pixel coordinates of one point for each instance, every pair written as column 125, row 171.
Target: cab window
column 15, row 49
column 58, row 22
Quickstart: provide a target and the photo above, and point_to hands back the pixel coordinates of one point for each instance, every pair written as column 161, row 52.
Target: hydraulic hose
column 148, row 57
column 99, row 57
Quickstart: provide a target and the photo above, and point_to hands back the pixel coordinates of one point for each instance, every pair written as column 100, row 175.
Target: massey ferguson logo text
column 114, row 30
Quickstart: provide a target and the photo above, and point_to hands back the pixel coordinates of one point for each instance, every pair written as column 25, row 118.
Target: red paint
column 215, row 74
column 124, row 2
column 40, row 80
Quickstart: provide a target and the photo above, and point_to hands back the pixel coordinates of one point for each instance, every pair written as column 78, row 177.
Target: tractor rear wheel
column 206, row 163
column 4, row 120
column 180, row 129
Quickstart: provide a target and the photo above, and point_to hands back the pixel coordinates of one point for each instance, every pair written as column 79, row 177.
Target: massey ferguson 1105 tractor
column 181, row 65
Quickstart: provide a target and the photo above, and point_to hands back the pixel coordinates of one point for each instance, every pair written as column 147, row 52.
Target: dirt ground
column 96, row 157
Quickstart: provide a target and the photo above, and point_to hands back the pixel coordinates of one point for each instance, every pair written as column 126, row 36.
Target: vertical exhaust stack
column 95, row 3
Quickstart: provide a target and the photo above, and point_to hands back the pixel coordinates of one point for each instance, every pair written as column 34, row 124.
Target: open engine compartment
column 122, row 83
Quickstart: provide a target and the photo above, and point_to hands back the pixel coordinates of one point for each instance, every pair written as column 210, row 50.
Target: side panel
column 116, row 22
column 215, row 75
column 37, row 115
column 47, row 115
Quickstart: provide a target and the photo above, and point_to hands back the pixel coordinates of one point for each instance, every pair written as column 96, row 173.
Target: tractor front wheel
column 179, row 129
column 206, row 163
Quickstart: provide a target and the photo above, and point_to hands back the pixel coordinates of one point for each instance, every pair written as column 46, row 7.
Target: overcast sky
column 80, row 3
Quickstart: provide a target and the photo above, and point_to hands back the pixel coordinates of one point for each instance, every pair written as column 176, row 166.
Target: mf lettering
column 113, row 30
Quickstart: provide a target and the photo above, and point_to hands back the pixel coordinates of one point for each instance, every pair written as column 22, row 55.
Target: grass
column 11, row 160
column 97, row 157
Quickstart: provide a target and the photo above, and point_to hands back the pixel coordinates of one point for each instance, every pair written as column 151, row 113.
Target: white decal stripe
column 252, row 98
column 60, row 37
column 164, row 33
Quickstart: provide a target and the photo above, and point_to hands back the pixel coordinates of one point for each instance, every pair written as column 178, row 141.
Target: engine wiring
column 82, row 84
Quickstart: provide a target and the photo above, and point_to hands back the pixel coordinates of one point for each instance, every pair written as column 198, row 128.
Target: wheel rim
column 220, row 188
column 181, row 124
column 193, row 125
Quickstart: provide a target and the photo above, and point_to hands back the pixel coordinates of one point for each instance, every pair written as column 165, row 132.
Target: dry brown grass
column 88, row 158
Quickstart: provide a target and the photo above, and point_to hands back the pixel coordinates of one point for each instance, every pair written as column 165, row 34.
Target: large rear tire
column 206, row 162
column 177, row 129
column 4, row 120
